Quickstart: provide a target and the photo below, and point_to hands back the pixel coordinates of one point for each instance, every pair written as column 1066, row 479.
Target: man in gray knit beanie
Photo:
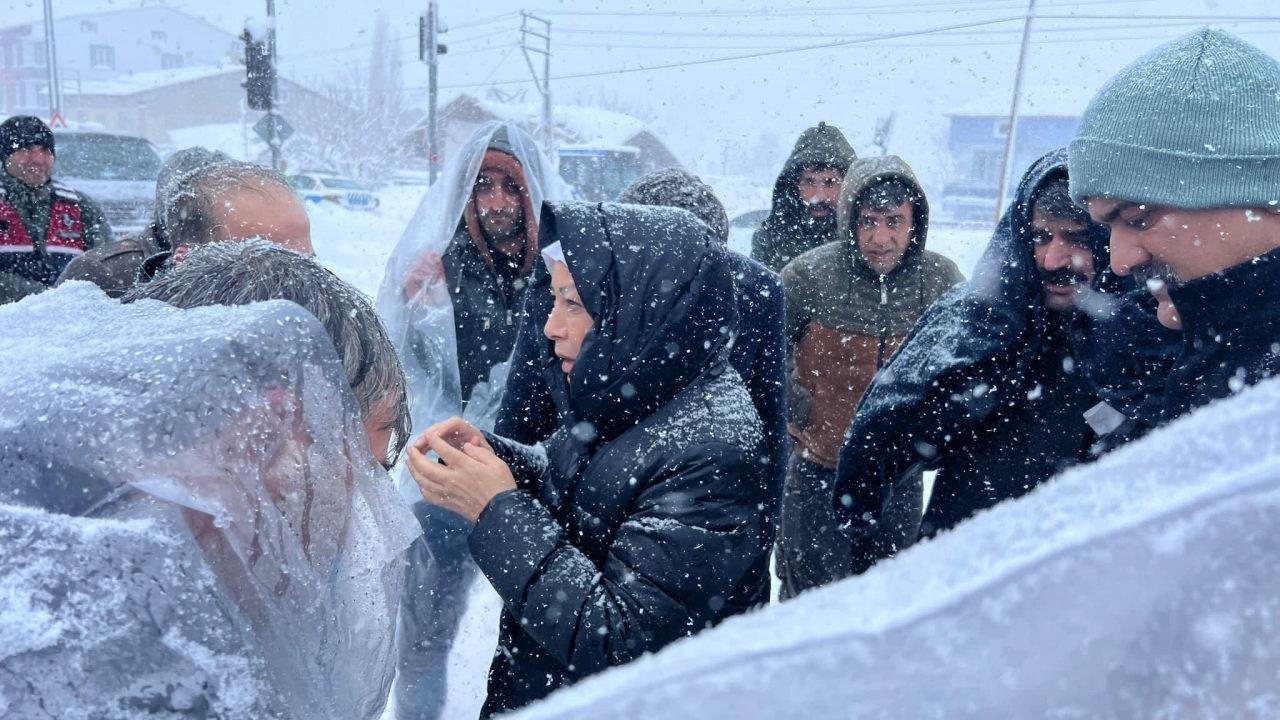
column 1180, row 155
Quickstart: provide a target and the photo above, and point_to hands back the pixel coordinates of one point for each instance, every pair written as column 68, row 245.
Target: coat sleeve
column 688, row 541
column 769, row 376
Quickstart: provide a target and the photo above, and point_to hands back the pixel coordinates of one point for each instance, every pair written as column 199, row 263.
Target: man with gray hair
column 114, row 266
column 202, row 196
column 225, row 273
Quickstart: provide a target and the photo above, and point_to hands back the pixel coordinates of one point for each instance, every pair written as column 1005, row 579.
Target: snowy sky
column 711, row 112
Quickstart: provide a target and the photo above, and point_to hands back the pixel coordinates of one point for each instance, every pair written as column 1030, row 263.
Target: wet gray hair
column 191, row 211
column 176, row 167
column 254, row 271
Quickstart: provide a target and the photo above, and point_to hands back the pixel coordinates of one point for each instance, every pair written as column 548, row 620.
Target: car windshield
column 106, row 157
column 341, row 184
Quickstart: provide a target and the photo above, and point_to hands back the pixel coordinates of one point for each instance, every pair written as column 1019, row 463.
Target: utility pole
column 429, row 51
column 51, row 52
column 543, row 38
column 1005, row 168
column 273, row 141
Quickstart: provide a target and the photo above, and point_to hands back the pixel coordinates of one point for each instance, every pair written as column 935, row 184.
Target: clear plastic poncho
column 407, row 309
column 191, row 522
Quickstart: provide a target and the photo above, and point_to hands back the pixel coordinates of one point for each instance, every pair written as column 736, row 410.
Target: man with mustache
column 803, row 215
column 1179, row 154
column 850, row 303
column 1021, row 429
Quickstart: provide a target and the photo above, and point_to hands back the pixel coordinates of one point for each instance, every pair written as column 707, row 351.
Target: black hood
column 662, row 297
column 971, row 344
column 821, row 146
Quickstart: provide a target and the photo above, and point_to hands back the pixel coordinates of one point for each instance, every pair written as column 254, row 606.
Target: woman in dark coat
column 646, row 520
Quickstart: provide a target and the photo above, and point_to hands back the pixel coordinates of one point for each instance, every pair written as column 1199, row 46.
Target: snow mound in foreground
column 1143, row 585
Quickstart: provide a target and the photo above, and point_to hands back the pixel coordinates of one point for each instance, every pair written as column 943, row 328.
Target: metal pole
column 51, row 52
column 271, row 109
column 543, row 84
column 549, row 136
column 1005, row 168
column 433, row 60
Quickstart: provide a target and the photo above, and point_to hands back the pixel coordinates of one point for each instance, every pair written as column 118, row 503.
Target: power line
column 1011, row 33
column 484, row 21
column 783, row 51
column 819, row 13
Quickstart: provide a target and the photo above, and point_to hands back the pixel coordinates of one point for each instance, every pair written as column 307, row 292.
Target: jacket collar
column 1233, row 300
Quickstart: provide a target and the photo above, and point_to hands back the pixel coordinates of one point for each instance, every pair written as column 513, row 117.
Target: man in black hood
column 803, row 215
column 642, row 524
column 992, row 386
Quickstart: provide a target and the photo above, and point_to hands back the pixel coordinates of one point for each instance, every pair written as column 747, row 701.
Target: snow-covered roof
column 225, row 137
column 582, row 125
column 144, row 81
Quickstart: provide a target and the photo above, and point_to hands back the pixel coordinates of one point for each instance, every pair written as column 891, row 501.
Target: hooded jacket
column 643, row 522
column 845, row 320
column 788, row 231
column 758, row 353
column 959, row 393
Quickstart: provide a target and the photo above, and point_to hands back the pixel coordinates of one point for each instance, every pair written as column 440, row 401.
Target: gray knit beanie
column 1194, row 124
column 673, row 187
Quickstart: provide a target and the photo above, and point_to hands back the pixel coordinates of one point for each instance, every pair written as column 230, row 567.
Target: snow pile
column 356, row 245
column 205, row 530
column 1143, row 585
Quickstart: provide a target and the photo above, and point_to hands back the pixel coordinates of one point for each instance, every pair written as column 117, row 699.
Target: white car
column 321, row 188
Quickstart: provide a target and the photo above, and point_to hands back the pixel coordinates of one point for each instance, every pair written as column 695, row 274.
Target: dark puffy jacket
column 956, row 395
column 528, row 414
column 645, row 521
column 1231, row 334
column 788, row 231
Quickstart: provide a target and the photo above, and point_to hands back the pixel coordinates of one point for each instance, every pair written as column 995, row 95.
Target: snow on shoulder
column 190, row 519
column 1142, row 585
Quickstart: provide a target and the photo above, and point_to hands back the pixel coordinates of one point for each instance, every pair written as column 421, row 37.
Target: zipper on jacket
column 884, row 292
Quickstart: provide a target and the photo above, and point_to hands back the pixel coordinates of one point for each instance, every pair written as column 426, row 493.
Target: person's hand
column 466, row 483
column 455, row 431
column 425, row 283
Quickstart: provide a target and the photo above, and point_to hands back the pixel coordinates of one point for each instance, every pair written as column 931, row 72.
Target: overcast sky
column 712, row 111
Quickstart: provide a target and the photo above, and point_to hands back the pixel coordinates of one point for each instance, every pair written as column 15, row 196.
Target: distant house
column 600, row 151
column 178, row 107
column 976, row 140
column 100, row 47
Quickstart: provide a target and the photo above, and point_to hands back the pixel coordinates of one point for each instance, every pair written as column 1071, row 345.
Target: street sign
column 57, row 121
column 283, row 129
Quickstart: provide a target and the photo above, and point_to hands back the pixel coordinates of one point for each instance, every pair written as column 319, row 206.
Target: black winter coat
column 528, row 414
column 487, row 310
column 646, row 520
column 955, row 391
column 1231, row 334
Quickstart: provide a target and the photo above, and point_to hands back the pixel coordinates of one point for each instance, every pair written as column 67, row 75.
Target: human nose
column 1126, row 254
column 553, row 328
column 1058, row 256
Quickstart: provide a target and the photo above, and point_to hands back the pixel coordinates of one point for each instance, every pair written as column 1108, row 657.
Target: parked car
column 320, row 188
column 118, row 171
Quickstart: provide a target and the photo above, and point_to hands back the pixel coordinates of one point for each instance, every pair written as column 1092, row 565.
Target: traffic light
column 260, row 74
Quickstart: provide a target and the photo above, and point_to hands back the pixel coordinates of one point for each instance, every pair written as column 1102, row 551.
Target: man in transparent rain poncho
column 452, row 299
column 194, row 521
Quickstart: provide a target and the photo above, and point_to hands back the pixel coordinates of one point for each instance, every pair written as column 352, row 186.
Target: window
column 17, row 55
column 170, row 61
column 87, row 26
column 39, row 57
column 159, row 35
column 102, row 56
column 302, row 182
